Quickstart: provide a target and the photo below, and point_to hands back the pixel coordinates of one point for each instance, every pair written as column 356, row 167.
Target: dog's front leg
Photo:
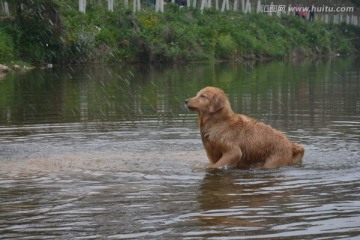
column 228, row 159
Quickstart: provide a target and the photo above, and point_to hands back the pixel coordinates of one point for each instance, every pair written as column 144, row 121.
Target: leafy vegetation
column 6, row 46
column 55, row 31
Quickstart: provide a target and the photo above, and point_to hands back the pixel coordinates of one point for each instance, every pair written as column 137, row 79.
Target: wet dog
column 235, row 140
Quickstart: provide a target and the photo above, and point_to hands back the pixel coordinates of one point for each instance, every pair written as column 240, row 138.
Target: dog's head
column 207, row 100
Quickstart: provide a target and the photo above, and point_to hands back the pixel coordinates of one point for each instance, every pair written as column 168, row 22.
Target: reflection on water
column 278, row 204
column 110, row 152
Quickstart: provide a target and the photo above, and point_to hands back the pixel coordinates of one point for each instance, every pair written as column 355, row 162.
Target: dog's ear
column 216, row 104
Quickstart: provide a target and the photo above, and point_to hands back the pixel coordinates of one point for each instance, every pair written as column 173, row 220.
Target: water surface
column 111, row 152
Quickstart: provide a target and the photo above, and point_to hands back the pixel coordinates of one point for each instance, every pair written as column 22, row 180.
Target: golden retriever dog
column 235, row 140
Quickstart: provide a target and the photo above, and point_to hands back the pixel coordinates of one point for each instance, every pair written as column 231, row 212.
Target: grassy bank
column 62, row 35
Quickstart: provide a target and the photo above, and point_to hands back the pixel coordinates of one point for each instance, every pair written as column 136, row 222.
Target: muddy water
column 108, row 152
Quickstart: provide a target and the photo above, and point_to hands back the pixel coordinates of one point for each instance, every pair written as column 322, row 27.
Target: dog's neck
column 209, row 119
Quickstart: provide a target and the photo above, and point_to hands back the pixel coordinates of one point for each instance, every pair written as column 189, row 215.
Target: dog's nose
column 186, row 101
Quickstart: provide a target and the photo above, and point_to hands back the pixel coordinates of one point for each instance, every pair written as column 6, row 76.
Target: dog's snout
column 186, row 101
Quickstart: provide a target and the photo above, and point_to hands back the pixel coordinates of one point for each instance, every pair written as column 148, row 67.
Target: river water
column 110, row 152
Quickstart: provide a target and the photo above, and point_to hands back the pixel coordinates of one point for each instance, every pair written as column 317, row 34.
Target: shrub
column 225, row 47
column 6, row 46
column 54, row 31
column 40, row 30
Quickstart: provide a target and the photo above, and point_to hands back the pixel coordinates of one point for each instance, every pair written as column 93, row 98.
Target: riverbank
column 14, row 67
column 65, row 36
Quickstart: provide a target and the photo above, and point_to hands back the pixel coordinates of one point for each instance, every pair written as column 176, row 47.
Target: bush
column 40, row 30
column 6, row 46
column 55, row 31
column 225, row 47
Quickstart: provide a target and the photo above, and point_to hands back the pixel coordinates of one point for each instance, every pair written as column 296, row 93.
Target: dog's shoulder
column 223, row 131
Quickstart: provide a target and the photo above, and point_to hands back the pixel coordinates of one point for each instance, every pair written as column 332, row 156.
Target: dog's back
column 264, row 146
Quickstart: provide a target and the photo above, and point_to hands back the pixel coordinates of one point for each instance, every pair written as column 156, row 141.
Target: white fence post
column 82, row 6
column 288, row 11
column 5, row 7
column 235, row 5
column 202, row 6
column 278, row 13
column 269, row 11
column 248, row 6
column 111, row 5
column 225, row 5
column 159, row 6
column 347, row 19
column 259, row 7
column 137, row 6
column 209, row 3
column 326, row 18
column 354, row 20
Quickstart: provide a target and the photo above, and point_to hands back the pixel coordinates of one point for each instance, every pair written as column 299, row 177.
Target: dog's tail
column 298, row 153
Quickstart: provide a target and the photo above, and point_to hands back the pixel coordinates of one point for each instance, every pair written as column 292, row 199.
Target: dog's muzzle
column 186, row 103
column 189, row 107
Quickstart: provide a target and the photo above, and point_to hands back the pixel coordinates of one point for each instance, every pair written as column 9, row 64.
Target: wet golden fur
column 235, row 140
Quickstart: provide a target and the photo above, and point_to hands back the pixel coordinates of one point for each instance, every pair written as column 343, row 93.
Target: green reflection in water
column 286, row 91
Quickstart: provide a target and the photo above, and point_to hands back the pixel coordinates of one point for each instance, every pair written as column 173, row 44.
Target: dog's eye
column 202, row 96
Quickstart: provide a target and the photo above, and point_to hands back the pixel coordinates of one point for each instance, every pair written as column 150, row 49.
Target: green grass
column 6, row 46
column 177, row 35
